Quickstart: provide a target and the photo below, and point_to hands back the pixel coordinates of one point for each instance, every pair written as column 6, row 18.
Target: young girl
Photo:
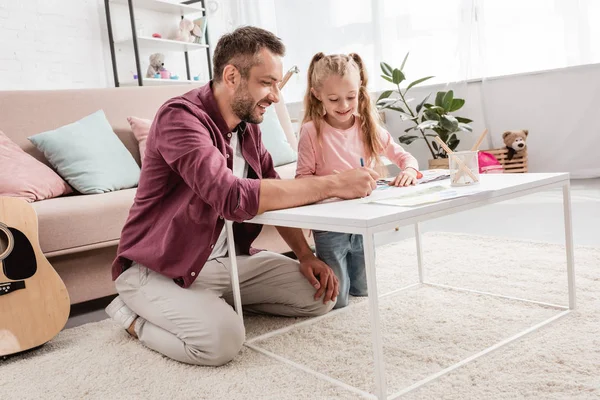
column 340, row 132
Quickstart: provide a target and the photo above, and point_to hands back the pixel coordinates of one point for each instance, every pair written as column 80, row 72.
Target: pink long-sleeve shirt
column 341, row 149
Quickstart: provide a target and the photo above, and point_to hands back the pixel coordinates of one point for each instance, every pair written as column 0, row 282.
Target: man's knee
column 317, row 307
column 219, row 344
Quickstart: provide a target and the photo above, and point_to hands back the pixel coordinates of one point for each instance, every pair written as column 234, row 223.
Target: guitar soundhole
column 20, row 263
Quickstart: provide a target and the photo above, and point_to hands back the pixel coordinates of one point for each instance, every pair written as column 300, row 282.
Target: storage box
column 518, row 164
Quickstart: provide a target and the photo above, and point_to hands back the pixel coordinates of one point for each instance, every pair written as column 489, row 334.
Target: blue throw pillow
column 274, row 139
column 89, row 155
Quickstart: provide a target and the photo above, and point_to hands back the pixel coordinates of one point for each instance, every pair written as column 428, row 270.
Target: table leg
column 419, row 251
column 380, row 381
column 569, row 244
column 235, row 278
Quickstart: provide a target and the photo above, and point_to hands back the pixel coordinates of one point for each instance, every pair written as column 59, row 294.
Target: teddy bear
column 184, row 34
column 157, row 63
column 515, row 142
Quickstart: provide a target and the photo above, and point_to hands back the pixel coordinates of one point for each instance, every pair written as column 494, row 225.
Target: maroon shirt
column 187, row 187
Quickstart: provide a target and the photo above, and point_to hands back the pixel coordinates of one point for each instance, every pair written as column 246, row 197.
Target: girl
column 340, row 132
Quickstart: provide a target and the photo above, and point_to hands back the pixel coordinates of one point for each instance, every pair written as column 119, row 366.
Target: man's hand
column 359, row 182
column 321, row 277
column 405, row 178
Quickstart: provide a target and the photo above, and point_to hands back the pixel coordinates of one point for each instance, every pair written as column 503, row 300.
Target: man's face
column 254, row 94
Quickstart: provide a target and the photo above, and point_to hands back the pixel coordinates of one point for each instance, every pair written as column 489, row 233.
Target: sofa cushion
column 89, row 155
column 275, row 140
column 74, row 221
column 140, row 128
column 23, row 176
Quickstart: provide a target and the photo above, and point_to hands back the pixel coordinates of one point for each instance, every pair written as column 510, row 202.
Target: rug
column 426, row 329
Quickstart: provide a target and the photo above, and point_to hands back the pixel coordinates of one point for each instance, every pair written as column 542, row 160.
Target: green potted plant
column 436, row 117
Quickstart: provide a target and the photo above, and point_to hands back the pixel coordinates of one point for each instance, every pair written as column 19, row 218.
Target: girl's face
column 339, row 95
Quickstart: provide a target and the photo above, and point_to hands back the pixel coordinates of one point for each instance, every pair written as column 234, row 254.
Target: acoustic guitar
column 34, row 302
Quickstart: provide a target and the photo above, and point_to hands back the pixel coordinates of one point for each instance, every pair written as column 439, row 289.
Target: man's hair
column 241, row 47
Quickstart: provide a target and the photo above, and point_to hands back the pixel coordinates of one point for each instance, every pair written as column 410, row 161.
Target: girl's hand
column 407, row 177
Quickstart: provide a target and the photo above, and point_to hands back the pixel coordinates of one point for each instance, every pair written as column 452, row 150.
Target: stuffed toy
column 157, row 63
column 515, row 142
column 184, row 34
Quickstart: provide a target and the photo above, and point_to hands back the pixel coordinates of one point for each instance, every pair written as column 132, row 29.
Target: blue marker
column 362, row 162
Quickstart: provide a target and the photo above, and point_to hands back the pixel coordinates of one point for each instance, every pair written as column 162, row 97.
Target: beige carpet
column 426, row 329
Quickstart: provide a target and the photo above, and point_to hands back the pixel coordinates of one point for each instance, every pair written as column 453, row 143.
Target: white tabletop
column 355, row 214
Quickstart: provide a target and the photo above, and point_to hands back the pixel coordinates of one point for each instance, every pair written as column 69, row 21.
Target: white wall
column 51, row 44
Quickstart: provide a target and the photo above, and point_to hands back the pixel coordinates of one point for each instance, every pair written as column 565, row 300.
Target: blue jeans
column 344, row 254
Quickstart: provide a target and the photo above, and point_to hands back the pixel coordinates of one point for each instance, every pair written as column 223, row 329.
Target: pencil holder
column 464, row 168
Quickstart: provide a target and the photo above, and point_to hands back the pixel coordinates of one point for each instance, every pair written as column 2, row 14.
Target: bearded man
column 205, row 163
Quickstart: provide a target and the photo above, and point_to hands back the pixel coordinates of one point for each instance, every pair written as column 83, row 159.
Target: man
column 204, row 163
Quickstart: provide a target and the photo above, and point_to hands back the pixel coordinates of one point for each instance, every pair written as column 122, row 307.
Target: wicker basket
column 518, row 164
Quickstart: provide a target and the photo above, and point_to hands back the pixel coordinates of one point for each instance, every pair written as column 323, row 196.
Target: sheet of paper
column 404, row 197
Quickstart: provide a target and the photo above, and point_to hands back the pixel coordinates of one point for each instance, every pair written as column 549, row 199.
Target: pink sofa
column 79, row 233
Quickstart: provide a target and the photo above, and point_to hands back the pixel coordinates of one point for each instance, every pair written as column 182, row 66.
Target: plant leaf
column 408, row 139
column 386, row 101
column 427, row 124
column 399, row 109
column 464, row 120
column 418, row 81
column 449, row 123
column 404, row 61
column 387, row 70
column 435, row 145
column 464, row 127
column 387, row 78
column 438, row 98
column 437, row 109
column 443, row 135
column 420, row 106
column 398, row 76
column 453, row 143
column 447, row 100
column 385, row 94
column 456, row 105
column 431, row 115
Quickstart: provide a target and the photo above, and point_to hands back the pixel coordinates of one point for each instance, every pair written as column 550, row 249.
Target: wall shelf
column 160, row 82
column 169, row 7
column 159, row 44
column 156, row 45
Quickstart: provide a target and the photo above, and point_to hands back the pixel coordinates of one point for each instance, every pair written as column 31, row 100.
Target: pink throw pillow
column 140, row 128
column 23, row 176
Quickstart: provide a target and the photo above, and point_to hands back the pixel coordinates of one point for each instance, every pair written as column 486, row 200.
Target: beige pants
column 198, row 325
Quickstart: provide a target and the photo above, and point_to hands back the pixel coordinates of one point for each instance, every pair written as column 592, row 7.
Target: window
column 454, row 40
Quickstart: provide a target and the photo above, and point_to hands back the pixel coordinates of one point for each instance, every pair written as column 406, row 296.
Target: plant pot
column 439, row 163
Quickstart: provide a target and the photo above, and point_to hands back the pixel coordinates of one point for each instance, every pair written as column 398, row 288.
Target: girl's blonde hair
column 321, row 67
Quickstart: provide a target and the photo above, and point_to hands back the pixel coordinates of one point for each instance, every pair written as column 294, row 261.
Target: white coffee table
column 353, row 216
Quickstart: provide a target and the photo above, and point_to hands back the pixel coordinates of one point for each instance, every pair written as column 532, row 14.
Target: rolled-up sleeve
column 187, row 147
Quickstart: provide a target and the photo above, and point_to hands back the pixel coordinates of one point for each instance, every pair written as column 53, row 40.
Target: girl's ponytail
column 313, row 108
column 368, row 114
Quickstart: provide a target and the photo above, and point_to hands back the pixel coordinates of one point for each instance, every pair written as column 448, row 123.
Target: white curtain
column 518, row 64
